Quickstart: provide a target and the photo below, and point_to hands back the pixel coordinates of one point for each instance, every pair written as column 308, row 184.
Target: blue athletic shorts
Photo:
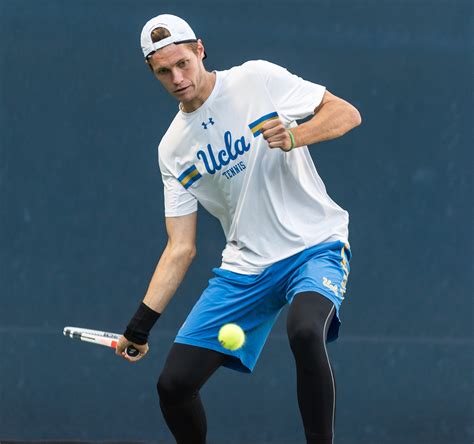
column 254, row 301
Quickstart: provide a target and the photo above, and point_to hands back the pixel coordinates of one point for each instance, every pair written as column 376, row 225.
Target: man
column 235, row 147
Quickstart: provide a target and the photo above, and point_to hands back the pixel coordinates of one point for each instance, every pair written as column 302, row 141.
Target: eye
column 182, row 63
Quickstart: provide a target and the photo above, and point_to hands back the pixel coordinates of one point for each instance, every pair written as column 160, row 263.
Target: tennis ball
column 231, row 336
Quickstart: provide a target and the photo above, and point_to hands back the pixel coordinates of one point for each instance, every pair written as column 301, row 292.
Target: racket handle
column 132, row 351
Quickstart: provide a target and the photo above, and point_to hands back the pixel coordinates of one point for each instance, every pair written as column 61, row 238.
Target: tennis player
column 235, row 147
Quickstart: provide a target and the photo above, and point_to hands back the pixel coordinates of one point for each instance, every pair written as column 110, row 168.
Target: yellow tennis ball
column 231, row 336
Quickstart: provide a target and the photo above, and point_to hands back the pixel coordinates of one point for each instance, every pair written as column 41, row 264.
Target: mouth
column 181, row 90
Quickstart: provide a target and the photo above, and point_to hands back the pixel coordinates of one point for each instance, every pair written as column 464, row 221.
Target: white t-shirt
column 271, row 204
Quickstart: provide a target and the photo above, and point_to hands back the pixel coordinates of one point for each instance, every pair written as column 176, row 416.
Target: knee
column 173, row 388
column 305, row 335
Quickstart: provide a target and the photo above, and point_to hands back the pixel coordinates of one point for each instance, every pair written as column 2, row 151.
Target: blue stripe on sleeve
column 265, row 117
column 186, row 172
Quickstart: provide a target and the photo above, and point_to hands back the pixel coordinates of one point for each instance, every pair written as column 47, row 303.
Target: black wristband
column 140, row 325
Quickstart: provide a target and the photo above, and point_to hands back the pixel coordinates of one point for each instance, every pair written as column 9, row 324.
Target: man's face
column 179, row 70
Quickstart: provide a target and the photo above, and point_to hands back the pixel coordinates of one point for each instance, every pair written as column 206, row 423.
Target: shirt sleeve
column 178, row 201
column 294, row 97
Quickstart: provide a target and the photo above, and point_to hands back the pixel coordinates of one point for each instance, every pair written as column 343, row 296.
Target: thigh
column 191, row 363
column 245, row 300
column 310, row 312
column 325, row 273
column 186, row 370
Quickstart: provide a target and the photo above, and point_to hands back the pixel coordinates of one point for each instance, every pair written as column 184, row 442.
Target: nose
column 177, row 77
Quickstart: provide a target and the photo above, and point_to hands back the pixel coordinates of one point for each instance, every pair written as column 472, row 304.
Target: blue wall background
column 81, row 217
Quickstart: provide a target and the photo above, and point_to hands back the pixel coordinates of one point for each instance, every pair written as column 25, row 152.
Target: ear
column 201, row 49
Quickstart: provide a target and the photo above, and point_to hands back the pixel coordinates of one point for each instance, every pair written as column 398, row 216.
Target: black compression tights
column 187, row 368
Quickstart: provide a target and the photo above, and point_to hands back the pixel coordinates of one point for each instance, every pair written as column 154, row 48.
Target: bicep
column 182, row 231
column 178, row 201
column 329, row 97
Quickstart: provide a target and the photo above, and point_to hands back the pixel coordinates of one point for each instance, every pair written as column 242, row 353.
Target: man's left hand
column 275, row 133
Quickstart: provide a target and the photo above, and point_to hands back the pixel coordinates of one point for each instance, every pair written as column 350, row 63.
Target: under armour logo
column 211, row 122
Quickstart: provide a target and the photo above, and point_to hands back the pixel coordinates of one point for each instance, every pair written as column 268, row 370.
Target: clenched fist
column 277, row 136
column 122, row 345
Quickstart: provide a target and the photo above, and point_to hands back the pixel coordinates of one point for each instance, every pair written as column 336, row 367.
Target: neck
column 207, row 86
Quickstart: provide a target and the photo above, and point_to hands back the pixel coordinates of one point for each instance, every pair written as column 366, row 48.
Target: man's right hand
column 122, row 345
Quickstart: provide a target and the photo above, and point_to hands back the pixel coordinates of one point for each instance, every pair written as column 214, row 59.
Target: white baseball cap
column 179, row 29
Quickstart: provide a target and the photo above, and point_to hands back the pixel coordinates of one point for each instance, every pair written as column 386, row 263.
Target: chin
column 186, row 98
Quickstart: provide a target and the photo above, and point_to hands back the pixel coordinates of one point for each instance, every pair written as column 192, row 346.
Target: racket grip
column 132, row 351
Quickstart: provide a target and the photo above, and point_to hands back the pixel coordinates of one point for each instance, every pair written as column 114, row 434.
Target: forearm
column 169, row 273
column 333, row 120
column 166, row 279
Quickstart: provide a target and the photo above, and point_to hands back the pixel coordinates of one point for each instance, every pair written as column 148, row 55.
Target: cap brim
column 177, row 43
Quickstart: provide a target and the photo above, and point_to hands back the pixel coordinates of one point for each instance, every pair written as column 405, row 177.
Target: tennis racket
column 98, row 337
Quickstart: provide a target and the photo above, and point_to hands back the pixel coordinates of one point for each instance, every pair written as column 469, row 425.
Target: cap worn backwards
column 179, row 29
